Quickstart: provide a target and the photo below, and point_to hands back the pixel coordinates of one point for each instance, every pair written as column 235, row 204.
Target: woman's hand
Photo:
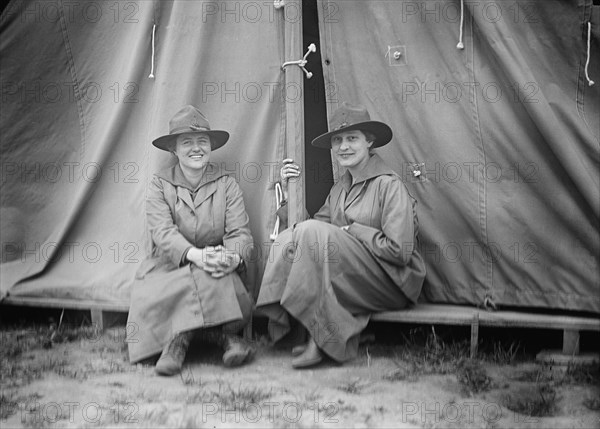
column 288, row 171
column 215, row 260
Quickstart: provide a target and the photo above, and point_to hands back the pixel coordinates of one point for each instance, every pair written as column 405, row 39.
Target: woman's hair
column 368, row 135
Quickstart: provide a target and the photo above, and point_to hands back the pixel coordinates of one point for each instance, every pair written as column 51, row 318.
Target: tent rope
column 278, row 200
column 460, row 44
column 151, row 75
column 587, row 62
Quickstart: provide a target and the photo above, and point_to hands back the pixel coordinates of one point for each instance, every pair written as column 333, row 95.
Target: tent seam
column 328, row 77
column 482, row 191
column 73, row 73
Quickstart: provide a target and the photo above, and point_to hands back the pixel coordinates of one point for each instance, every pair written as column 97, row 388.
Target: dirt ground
column 80, row 378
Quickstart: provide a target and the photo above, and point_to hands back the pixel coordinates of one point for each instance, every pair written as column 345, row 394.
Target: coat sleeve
column 237, row 233
column 163, row 230
column 395, row 242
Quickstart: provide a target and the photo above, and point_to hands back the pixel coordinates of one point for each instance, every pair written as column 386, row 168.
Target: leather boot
column 237, row 350
column 173, row 355
column 310, row 357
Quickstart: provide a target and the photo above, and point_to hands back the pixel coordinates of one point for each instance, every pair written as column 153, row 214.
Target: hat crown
column 348, row 114
column 188, row 119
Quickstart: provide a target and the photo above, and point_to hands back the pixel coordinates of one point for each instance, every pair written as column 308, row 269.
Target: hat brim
column 217, row 139
column 383, row 134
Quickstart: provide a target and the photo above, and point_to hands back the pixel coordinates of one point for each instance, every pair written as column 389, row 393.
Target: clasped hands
column 215, row 260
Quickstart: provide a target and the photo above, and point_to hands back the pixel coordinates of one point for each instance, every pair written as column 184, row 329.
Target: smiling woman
column 359, row 254
column 193, row 152
column 194, row 276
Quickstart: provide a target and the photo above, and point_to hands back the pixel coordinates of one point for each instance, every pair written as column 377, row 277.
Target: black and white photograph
column 300, row 214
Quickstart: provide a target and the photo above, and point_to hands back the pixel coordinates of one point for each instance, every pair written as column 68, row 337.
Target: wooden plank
column 97, row 319
column 430, row 313
column 65, row 303
column 508, row 319
column 463, row 315
column 474, row 335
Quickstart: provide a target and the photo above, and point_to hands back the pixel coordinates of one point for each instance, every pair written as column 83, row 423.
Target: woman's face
column 193, row 150
column 351, row 149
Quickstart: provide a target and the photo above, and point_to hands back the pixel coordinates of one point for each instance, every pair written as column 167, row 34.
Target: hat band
column 342, row 125
column 188, row 129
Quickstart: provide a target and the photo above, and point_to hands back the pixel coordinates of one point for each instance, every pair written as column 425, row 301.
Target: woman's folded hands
column 215, row 260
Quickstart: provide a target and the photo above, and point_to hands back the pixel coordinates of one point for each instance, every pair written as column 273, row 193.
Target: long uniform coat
column 330, row 279
column 171, row 295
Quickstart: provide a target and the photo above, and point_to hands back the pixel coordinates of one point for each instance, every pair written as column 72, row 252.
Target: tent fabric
column 499, row 141
column 79, row 112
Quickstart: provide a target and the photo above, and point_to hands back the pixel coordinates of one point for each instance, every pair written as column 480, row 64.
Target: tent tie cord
column 587, row 62
column 460, row 44
column 151, row 75
column 278, row 200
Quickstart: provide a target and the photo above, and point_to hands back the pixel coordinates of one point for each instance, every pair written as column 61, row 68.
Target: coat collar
column 375, row 167
column 175, row 176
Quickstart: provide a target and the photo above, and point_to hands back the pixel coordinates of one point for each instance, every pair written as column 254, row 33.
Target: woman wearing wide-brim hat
column 199, row 229
column 357, row 256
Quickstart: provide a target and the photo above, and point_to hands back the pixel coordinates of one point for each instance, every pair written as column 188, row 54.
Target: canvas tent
column 498, row 141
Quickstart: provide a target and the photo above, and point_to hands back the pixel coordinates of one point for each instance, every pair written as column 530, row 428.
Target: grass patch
column 94, row 368
column 313, row 395
column 353, row 387
column 20, row 372
column 592, row 403
column 541, row 374
column 331, row 409
column 582, row 374
column 586, row 374
column 503, row 354
column 472, row 377
column 435, row 356
column 240, row 398
column 157, row 416
column 188, row 379
column 39, row 415
column 8, row 406
column 540, row 403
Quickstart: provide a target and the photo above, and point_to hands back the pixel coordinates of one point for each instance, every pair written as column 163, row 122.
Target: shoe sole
column 306, row 363
column 237, row 359
column 167, row 372
column 298, row 350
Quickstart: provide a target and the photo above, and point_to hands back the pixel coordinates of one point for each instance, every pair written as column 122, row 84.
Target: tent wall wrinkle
column 75, row 183
column 490, row 139
column 499, row 141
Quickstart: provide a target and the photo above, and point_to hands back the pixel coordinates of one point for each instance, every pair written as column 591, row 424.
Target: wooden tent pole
column 294, row 102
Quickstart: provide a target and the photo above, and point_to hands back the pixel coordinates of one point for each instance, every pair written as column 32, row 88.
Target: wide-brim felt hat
column 190, row 120
column 350, row 117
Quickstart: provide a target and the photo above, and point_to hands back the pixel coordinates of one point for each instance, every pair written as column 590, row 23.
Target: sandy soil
column 87, row 382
